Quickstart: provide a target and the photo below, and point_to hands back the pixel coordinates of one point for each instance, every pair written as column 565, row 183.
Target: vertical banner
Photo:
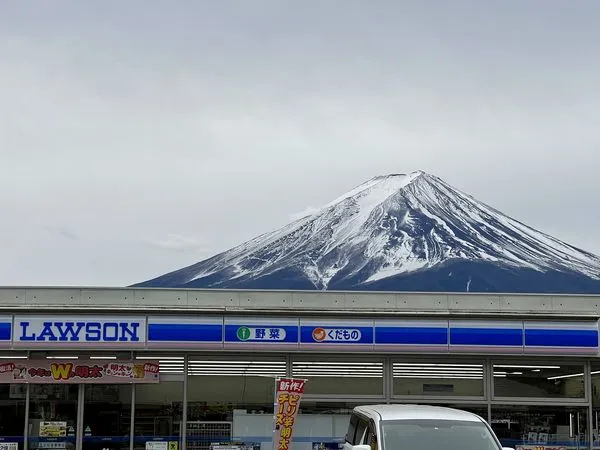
column 288, row 393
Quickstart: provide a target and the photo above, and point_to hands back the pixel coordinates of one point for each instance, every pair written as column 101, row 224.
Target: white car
column 418, row 427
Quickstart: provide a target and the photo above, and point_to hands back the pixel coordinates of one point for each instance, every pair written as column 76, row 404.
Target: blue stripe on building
column 411, row 335
column 5, row 331
column 185, row 332
column 466, row 333
column 560, row 338
column 505, row 337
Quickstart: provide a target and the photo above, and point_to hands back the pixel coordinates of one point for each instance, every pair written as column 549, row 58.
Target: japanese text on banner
column 15, row 372
column 288, row 395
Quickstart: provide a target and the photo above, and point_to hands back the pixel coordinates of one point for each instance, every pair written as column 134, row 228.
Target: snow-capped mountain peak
column 387, row 228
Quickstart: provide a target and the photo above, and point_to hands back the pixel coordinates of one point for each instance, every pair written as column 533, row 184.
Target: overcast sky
column 137, row 137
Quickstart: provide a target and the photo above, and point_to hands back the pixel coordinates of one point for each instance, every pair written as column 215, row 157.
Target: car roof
column 407, row 412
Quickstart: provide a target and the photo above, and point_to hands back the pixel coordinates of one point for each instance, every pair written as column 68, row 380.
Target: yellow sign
column 53, row 429
column 173, row 445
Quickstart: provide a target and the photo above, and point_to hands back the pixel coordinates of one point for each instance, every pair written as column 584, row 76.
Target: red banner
column 288, row 394
column 88, row 372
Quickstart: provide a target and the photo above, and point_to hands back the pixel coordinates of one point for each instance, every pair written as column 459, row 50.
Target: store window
column 107, row 416
column 331, row 377
column 438, row 379
column 481, row 410
column 541, row 426
column 52, row 417
column 323, row 424
column 158, row 407
column 12, row 413
column 595, row 369
column 231, row 397
column 539, row 380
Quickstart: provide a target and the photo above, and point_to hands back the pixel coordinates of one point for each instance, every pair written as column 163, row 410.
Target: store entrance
column 52, row 419
column 79, row 417
column 106, row 416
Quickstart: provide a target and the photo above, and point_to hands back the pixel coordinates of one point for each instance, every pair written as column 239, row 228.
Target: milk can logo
column 243, row 333
column 321, row 334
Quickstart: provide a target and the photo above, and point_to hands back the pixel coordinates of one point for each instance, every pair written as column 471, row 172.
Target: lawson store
column 126, row 369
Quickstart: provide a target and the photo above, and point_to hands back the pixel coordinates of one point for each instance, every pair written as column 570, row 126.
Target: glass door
column 52, row 421
column 107, row 416
column 12, row 413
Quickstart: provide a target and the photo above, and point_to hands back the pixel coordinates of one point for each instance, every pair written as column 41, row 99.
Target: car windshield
column 436, row 434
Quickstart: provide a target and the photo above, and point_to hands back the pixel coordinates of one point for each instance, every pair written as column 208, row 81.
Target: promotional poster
column 288, row 393
column 87, row 372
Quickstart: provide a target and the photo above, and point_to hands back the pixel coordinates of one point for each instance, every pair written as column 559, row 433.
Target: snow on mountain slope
column 389, row 227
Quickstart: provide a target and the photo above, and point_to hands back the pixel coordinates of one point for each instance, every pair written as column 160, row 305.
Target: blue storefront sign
column 418, row 335
column 289, row 333
column 5, row 331
column 78, row 331
column 184, row 332
column 498, row 336
column 260, row 332
column 560, row 337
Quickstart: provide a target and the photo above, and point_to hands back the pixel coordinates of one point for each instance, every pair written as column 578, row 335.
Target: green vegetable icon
column 243, row 333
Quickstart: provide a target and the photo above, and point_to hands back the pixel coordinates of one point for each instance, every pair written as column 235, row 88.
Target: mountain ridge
column 394, row 227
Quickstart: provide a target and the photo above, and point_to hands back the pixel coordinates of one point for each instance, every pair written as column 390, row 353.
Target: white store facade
column 94, row 369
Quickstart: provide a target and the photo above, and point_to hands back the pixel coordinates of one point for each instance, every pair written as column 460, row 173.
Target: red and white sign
column 288, row 393
column 87, row 372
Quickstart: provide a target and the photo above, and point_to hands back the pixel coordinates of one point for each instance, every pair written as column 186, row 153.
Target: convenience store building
column 125, row 369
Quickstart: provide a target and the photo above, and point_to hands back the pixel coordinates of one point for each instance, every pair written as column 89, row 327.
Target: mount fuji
column 400, row 232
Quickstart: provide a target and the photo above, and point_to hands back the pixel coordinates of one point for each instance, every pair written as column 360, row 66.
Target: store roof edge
column 346, row 303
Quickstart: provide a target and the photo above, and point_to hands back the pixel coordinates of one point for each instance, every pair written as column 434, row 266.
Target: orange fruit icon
column 319, row 334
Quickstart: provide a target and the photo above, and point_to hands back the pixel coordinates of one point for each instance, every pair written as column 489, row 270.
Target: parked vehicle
column 418, row 427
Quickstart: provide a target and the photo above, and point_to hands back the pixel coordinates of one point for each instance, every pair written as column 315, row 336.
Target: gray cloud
column 62, row 231
column 176, row 243
column 224, row 119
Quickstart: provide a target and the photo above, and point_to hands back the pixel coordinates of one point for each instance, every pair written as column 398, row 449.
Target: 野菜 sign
column 264, row 332
column 87, row 372
column 245, row 333
column 289, row 392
